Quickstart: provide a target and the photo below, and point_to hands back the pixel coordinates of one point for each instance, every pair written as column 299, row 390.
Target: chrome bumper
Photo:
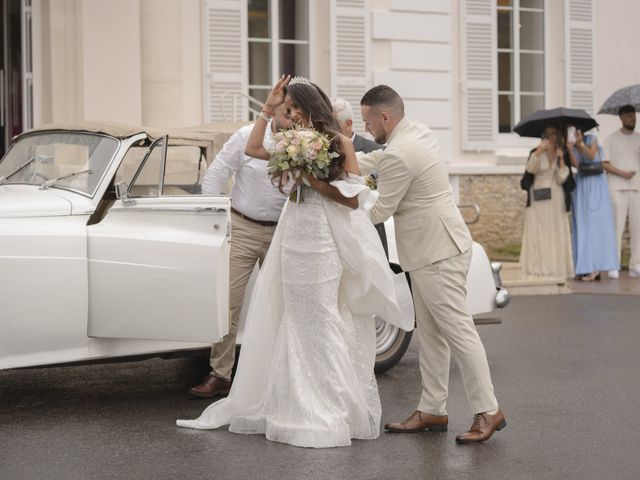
column 503, row 297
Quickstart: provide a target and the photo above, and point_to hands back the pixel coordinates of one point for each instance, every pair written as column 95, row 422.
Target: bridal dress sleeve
column 369, row 285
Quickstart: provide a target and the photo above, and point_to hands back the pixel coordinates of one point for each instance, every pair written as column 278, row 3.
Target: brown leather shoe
column 211, row 386
column 419, row 422
column 483, row 427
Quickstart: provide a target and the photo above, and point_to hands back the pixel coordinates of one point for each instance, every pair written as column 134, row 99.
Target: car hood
column 18, row 201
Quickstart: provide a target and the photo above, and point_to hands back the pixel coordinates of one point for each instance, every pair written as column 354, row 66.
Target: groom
column 434, row 246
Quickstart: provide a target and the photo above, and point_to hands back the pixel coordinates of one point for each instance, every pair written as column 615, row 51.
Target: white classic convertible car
column 108, row 249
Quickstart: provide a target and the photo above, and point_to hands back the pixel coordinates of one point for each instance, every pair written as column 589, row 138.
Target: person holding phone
column 546, row 241
column 594, row 241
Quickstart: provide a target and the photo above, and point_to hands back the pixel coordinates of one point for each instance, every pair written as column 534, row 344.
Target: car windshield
column 69, row 160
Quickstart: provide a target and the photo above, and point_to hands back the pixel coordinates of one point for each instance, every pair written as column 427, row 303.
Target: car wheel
column 391, row 342
column 391, row 345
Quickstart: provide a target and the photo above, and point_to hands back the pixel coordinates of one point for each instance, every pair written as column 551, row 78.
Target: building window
column 16, row 77
column 521, row 86
column 278, row 42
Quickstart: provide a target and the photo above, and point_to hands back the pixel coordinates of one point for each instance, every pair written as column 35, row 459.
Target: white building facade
column 470, row 69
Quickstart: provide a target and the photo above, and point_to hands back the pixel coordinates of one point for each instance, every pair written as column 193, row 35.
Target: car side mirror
column 122, row 192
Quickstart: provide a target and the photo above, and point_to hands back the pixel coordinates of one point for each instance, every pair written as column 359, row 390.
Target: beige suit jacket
column 414, row 187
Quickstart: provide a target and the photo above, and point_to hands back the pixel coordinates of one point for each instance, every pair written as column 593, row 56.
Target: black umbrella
column 534, row 124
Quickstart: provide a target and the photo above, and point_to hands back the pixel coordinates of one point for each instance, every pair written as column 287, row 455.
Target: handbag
column 541, row 194
column 590, row 168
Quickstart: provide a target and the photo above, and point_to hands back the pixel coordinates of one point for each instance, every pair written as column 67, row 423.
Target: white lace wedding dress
column 305, row 374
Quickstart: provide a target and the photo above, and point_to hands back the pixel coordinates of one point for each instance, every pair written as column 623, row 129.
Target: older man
column 343, row 112
column 434, row 246
column 256, row 205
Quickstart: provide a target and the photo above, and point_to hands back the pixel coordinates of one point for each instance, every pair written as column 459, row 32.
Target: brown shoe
column 483, row 427
column 211, row 386
column 419, row 422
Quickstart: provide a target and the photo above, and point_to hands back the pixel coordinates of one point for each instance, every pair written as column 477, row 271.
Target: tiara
column 295, row 80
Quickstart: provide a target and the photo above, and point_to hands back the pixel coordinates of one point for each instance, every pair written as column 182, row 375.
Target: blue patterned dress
column 594, row 237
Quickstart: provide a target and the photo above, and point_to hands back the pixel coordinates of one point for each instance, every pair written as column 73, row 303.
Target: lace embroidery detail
column 321, row 389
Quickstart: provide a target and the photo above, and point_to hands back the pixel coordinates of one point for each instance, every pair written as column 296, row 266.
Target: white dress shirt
column 252, row 194
column 623, row 151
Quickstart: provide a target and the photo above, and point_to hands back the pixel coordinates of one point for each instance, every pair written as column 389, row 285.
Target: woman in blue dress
column 594, row 238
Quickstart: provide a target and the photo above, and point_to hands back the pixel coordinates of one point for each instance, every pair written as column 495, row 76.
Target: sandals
column 590, row 277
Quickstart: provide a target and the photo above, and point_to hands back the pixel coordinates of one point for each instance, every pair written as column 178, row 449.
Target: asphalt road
column 565, row 369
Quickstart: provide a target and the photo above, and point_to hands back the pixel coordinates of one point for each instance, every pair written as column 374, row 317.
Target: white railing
column 239, row 101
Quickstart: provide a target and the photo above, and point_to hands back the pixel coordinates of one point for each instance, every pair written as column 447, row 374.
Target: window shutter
column 350, row 36
column 479, row 96
column 225, row 60
column 579, row 52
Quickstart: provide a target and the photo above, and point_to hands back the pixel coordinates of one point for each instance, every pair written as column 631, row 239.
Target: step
column 518, row 283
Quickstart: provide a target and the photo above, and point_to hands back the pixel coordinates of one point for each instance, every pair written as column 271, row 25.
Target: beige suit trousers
column 249, row 244
column 445, row 327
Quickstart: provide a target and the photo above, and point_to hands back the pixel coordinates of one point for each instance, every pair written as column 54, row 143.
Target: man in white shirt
column 622, row 149
column 256, row 205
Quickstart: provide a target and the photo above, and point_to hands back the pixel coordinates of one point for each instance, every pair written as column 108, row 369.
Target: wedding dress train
column 305, row 374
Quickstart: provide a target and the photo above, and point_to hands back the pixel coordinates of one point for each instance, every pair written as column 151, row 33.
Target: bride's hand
column 289, row 180
column 276, row 96
column 312, row 181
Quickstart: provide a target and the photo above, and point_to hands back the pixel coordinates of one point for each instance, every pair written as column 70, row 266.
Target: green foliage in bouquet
column 299, row 151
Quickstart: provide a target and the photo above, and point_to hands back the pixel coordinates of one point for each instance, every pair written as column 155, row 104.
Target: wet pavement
column 565, row 369
column 623, row 285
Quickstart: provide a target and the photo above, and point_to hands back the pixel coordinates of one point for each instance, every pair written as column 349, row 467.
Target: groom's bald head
column 382, row 109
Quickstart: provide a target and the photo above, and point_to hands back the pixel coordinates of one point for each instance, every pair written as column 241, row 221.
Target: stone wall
column 502, row 206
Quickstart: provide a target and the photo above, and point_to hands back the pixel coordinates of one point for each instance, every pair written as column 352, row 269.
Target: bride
column 305, row 376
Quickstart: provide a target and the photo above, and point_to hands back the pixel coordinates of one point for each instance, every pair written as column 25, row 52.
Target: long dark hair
column 317, row 107
column 561, row 140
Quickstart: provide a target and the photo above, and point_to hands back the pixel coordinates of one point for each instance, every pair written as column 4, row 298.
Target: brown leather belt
column 264, row 223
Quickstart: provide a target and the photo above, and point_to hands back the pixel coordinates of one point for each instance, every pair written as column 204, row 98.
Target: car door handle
column 210, row 209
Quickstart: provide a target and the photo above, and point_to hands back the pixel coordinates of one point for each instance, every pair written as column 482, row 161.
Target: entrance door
column 11, row 68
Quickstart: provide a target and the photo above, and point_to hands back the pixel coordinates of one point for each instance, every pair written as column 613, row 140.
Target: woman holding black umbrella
column 546, row 242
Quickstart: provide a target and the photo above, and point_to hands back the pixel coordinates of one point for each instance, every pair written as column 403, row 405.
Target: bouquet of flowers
column 299, row 151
